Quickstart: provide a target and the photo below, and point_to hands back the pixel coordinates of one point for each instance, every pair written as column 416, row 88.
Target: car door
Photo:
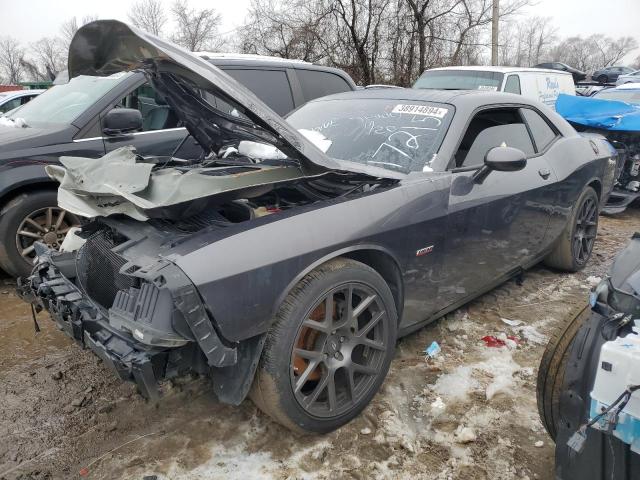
column 497, row 225
column 161, row 129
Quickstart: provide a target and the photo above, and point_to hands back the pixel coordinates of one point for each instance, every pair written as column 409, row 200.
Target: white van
column 535, row 83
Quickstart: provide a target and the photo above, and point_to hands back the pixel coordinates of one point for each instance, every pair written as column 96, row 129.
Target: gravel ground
column 470, row 413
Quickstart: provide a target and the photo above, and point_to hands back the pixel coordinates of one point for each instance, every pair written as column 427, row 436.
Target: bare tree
column 289, row 29
column 425, row 13
column 359, row 31
column 196, row 29
column 69, row 28
column 11, row 56
column 611, row 51
column 49, row 55
column 593, row 52
column 148, row 15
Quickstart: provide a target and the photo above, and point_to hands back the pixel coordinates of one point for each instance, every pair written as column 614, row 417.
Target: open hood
column 105, row 47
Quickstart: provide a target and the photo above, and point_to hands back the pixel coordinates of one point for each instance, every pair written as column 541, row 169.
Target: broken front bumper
column 619, row 200
column 93, row 326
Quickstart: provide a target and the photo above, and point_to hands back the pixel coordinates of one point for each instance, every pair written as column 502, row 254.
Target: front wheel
column 575, row 245
column 602, row 79
column 329, row 349
column 28, row 218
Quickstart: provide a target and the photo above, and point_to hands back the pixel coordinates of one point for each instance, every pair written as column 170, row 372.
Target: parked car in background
column 610, row 74
column 291, row 273
column 83, row 117
column 578, row 75
column 16, row 98
column 533, row 83
column 633, row 77
column 629, row 93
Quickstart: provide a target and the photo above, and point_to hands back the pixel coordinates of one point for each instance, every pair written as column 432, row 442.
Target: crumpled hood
column 105, row 47
column 118, row 184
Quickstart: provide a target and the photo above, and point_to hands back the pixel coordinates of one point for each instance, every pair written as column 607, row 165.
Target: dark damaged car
column 287, row 260
column 615, row 114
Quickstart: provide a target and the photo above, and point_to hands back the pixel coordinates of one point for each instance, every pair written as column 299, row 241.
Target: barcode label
column 425, row 110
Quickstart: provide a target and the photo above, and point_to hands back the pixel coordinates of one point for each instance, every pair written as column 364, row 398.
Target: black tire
column 310, row 410
column 582, row 227
column 602, row 79
column 12, row 216
column 552, row 369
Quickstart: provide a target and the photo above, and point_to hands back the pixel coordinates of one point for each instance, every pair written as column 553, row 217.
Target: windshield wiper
column 392, row 165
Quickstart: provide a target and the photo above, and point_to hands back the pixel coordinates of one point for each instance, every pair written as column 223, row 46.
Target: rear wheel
column 329, row 349
column 552, row 369
column 575, row 245
column 26, row 219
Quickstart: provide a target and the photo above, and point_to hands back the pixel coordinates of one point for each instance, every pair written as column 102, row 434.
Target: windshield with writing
column 399, row 135
column 62, row 104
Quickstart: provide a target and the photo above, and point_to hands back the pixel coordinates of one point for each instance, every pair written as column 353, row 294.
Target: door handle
column 544, row 173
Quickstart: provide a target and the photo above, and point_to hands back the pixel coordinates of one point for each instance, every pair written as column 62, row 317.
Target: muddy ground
column 468, row 414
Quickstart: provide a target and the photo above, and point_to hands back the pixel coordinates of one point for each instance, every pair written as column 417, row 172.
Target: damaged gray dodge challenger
column 286, row 260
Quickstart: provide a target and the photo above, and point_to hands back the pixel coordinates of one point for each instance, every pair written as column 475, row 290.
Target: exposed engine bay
column 122, row 182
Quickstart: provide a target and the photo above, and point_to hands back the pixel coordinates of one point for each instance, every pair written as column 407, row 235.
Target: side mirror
column 501, row 159
column 505, row 159
column 119, row 121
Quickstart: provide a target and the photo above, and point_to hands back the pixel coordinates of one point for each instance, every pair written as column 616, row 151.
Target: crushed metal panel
column 116, row 184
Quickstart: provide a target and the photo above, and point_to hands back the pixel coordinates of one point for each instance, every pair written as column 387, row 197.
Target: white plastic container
column 618, row 368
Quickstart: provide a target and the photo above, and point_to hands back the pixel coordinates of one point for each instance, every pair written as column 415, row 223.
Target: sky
column 572, row 17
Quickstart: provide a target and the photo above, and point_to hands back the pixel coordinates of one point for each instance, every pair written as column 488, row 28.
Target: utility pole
column 494, row 32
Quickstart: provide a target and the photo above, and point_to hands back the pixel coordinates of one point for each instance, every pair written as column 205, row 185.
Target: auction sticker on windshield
column 425, row 110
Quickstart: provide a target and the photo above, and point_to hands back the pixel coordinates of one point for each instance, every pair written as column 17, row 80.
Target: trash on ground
column 432, row 350
column 512, row 323
column 495, row 342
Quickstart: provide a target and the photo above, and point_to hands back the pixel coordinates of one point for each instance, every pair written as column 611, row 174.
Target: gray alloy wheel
column 339, row 350
column 329, row 348
column 48, row 225
column 584, row 235
column 575, row 244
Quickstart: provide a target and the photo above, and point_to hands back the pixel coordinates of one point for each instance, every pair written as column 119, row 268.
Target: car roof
column 468, row 98
column 250, row 60
column 627, row 86
column 246, row 57
column 20, row 93
column 489, row 68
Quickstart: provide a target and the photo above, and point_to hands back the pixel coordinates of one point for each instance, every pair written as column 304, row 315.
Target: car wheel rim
column 585, row 231
column 339, row 350
column 47, row 225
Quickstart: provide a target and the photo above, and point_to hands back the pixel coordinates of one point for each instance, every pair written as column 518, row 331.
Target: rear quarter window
column 542, row 133
column 316, row 84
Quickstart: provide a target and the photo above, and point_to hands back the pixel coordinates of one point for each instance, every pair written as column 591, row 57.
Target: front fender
column 12, row 179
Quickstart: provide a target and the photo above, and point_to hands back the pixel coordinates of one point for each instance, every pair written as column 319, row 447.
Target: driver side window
column 156, row 114
column 492, row 128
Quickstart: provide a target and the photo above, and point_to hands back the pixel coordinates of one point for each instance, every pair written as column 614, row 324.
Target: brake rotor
column 306, row 341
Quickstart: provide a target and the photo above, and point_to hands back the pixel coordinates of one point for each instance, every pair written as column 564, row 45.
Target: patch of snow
column 465, row 435
column 8, row 122
column 593, row 280
column 532, row 335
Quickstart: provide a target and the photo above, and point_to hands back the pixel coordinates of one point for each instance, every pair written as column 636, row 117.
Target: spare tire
column 553, row 366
